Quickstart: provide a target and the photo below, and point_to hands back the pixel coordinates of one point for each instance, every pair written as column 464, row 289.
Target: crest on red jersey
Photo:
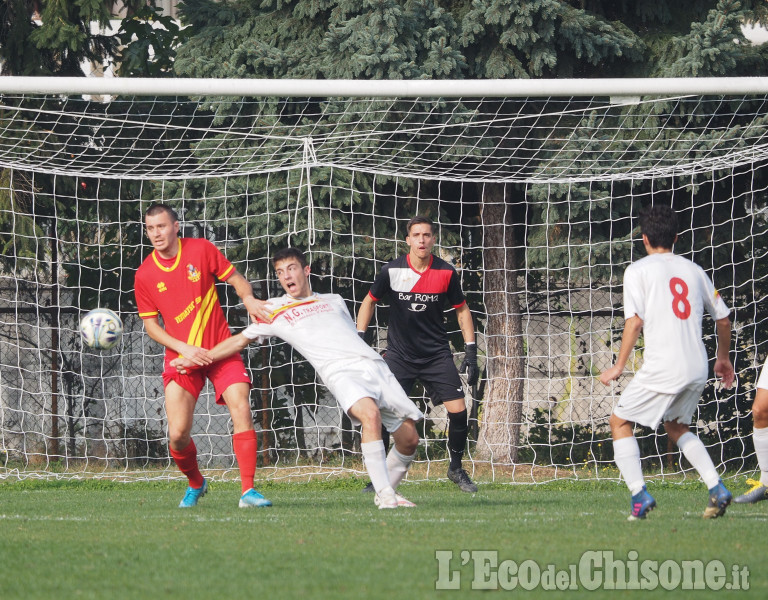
column 192, row 273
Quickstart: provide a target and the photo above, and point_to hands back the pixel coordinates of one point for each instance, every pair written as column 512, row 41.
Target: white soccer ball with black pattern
column 101, row 329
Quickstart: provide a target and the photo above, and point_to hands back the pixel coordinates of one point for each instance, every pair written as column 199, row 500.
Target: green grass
column 94, row 539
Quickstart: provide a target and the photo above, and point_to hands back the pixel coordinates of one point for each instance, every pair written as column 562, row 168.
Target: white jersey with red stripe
column 318, row 326
column 321, row 329
column 670, row 293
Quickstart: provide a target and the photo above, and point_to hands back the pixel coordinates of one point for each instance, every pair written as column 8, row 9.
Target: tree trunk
column 501, row 416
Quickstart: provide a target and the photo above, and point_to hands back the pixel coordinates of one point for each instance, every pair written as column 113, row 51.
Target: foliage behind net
column 534, row 200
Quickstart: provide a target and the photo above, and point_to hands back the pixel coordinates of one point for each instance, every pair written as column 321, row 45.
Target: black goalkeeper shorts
column 439, row 376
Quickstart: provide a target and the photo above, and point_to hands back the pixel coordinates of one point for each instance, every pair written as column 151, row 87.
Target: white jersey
column 321, row 329
column 328, row 340
column 670, row 293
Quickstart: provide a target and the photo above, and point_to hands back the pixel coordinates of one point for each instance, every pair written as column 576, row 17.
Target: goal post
column 533, row 186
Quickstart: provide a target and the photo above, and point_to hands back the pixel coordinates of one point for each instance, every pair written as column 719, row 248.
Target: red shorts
column 222, row 374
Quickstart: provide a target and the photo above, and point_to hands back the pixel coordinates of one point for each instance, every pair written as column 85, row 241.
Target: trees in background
column 498, row 39
column 429, row 39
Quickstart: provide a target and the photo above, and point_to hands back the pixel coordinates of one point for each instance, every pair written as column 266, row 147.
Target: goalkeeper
column 320, row 328
column 418, row 285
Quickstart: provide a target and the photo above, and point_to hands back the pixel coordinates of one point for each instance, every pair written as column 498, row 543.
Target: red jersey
column 183, row 291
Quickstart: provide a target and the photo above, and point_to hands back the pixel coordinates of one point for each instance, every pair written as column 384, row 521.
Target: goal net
column 534, row 199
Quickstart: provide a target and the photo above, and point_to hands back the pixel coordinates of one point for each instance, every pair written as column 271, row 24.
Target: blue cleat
column 642, row 503
column 193, row 495
column 253, row 498
column 719, row 499
column 758, row 492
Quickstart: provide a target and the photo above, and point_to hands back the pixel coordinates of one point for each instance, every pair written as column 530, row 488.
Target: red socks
column 186, row 460
column 245, row 446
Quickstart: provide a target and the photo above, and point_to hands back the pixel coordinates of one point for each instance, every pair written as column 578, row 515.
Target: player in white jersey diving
column 665, row 296
column 320, row 327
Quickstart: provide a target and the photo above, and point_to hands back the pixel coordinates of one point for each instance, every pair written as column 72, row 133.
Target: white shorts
column 640, row 405
column 373, row 379
column 762, row 381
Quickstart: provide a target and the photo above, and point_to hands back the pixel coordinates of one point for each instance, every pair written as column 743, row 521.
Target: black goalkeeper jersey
column 417, row 300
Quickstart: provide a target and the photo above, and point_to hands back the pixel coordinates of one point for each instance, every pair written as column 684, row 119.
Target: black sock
column 385, row 438
column 457, row 437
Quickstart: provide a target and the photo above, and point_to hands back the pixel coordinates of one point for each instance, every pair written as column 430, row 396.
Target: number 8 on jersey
column 680, row 305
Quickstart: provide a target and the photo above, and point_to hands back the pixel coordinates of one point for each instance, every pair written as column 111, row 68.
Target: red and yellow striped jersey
column 183, row 291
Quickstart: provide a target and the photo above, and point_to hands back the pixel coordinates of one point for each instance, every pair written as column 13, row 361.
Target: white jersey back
column 319, row 327
column 670, row 293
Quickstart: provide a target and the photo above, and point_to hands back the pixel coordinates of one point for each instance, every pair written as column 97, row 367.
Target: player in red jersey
column 177, row 281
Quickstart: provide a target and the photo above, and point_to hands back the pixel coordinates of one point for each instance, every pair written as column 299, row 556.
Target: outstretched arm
column 256, row 308
column 228, row 347
column 195, row 355
column 632, row 328
column 723, row 366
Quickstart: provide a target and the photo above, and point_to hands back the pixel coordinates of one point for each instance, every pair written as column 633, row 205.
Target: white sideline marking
column 164, row 517
column 43, row 518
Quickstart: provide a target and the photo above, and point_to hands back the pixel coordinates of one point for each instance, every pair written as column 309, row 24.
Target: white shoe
column 386, row 498
column 404, row 502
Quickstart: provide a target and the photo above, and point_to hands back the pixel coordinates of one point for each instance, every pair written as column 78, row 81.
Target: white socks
column 626, row 455
column 397, row 465
column 760, row 440
column 375, row 460
column 694, row 450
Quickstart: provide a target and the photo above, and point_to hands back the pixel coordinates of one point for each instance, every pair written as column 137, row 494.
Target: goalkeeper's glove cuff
column 470, row 362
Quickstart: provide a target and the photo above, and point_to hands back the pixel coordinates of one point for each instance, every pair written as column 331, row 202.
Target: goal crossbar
column 447, row 88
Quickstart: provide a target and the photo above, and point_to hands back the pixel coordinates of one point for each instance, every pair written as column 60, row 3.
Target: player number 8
column 680, row 305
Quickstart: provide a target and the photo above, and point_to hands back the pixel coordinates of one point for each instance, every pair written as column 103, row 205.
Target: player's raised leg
column 759, row 487
column 244, row 443
column 179, row 409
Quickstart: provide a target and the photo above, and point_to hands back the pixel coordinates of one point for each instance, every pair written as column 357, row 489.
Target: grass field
column 96, row 539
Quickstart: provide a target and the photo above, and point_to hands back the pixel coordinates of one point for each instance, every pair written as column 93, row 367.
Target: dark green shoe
column 461, row 478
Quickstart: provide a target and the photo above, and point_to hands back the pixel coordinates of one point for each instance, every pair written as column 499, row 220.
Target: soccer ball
column 101, row 329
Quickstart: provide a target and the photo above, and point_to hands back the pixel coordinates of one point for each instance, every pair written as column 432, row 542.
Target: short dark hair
column 157, row 207
column 289, row 252
column 659, row 223
column 420, row 220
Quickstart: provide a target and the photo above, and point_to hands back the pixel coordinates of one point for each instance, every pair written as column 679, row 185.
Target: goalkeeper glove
column 469, row 364
column 361, row 334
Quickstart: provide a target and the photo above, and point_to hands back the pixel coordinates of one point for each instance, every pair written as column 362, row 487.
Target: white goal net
column 534, row 199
